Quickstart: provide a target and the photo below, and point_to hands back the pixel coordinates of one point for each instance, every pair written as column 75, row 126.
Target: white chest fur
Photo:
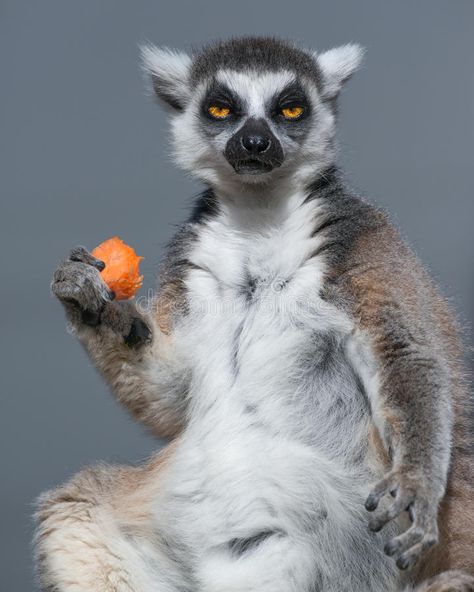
column 259, row 336
column 278, row 423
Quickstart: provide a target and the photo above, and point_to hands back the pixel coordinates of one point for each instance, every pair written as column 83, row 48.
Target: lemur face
column 256, row 121
column 251, row 109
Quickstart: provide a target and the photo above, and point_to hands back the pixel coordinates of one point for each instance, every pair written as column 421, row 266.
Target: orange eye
column 219, row 112
column 292, row 112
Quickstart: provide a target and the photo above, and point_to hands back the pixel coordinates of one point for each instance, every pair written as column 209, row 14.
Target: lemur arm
column 125, row 344
column 408, row 330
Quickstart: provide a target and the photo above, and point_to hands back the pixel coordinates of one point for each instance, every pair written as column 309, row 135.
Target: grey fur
column 265, row 54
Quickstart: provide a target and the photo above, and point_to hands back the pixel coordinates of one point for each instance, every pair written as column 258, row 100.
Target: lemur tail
column 448, row 581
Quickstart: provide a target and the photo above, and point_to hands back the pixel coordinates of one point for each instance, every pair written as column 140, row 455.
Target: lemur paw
column 78, row 285
column 411, row 494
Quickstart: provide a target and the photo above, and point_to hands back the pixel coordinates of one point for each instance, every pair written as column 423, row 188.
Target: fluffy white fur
column 238, row 472
column 338, row 65
column 168, row 65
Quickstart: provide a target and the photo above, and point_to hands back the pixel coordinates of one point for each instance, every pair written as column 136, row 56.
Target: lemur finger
column 380, row 489
column 404, row 541
column 422, row 535
column 412, row 555
column 402, row 501
column 81, row 284
column 82, row 255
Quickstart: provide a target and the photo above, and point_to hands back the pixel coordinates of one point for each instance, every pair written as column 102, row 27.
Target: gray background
column 84, row 156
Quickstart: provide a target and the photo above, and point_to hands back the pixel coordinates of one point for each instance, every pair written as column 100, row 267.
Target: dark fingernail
column 100, row 265
column 371, row 503
column 375, row 526
column 390, row 548
column 403, row 562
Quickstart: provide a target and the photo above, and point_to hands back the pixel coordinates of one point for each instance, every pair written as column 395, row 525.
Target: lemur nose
column 255, row 144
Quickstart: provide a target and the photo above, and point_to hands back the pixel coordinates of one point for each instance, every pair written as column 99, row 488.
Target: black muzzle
column 254, row 149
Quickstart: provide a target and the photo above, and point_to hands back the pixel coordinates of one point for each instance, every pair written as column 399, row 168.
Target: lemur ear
column 169, row 73
column 337, row 65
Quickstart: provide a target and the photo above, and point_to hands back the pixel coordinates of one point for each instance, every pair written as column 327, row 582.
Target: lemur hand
column 413, row 494
column 77, row 283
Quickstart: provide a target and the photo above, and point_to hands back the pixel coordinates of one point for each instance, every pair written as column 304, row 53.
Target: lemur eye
column 292, row 112
column 219, row 112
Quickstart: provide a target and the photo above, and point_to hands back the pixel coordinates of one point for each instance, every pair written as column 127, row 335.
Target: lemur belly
column 275, row 457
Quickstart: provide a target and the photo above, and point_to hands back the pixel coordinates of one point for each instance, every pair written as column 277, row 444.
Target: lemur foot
column 411, row 494
column 78, row 285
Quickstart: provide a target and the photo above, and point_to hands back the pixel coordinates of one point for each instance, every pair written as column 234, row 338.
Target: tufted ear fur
column 337, row 65
column 169, row 73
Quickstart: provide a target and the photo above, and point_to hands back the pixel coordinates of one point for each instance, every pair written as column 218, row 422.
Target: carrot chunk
column 122, row 264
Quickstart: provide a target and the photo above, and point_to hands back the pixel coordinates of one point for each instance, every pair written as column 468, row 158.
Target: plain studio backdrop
column 84, row 156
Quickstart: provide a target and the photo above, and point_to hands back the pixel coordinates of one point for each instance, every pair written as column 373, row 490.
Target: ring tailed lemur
column 297, row 354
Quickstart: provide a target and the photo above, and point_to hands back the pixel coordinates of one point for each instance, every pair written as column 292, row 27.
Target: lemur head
column 251, row 109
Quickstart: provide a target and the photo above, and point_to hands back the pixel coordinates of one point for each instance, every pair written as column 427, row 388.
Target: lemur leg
column 126, row 345
column 95, row 533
